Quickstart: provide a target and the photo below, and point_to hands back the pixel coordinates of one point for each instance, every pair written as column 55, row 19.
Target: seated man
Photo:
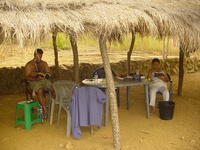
column 39, row 83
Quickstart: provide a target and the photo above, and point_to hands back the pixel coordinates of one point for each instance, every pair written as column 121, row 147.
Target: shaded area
column 137, row 132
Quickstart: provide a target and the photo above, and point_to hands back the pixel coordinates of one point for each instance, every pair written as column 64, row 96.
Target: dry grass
column 29, row 22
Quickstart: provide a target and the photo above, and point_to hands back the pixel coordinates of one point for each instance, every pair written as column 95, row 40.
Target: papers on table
column 91, row 81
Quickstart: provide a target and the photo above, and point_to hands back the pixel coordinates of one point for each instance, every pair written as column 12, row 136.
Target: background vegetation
column 142, row 44
column 146, row 44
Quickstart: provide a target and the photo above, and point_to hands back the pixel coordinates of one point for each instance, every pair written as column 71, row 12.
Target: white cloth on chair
column 86, row 108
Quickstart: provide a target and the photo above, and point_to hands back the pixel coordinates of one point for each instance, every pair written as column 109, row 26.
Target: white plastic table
column 126, row 82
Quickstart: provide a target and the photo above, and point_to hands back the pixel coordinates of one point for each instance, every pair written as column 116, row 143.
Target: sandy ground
column 136, row 131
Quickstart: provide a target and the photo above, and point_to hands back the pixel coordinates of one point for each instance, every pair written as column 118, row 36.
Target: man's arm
column 47, row 69
column 149, row 74
column 29, row 74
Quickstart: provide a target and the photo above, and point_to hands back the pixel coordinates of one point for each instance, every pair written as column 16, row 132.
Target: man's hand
column 161, row 77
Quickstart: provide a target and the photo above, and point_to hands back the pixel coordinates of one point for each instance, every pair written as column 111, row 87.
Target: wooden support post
column 112, row 95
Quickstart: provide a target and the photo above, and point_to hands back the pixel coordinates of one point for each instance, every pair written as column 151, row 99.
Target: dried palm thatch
column 29, row 21
column 115, row 20
column 187, row 14
column 174, row 18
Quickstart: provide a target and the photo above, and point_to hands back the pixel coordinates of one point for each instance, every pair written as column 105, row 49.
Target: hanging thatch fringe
column 29, row 21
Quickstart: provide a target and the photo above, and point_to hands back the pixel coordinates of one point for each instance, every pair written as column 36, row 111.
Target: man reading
column 39, row 84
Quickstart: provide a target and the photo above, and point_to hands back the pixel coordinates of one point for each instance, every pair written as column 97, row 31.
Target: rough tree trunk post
column 54, row 34
column 167, row 47
column 75, row 57
column 163, row 47
column 141, row 43
column 181, row 71
column 130, row 52
column 112, row 95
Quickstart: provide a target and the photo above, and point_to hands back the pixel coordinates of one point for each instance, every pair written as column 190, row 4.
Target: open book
column 156, row 74
column 46, row 75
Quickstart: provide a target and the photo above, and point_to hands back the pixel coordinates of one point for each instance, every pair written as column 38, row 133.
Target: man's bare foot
column 45, row 113
column 44, row 116
column 152, row 109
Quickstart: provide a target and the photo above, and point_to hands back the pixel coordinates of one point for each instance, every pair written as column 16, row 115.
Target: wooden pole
column 130, row 52
column 163, row 47
column 54, row 34
column 141, row 43
column 111, row 92
column 167, row 47
column 75, row 57
column 181, row 71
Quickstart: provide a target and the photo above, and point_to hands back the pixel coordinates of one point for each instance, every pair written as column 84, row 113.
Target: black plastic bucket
column 166, row 109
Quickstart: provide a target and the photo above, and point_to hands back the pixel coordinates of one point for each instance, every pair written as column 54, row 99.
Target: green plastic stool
column 28, row 118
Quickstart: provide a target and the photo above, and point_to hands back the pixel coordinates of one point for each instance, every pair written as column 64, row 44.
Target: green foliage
column 88, row 40
column 62, row 41
column 142, row 44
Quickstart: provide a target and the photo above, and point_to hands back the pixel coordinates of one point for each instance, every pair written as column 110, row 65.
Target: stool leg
column 28, row 117
column 16, row 116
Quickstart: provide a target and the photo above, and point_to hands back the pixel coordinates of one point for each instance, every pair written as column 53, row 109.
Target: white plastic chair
column 63, row 90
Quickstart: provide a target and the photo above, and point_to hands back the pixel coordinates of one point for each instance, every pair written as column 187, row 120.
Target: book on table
column 46, row 75
column 157, row 74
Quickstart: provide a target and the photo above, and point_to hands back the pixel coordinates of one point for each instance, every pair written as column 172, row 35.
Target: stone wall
column 12, row 79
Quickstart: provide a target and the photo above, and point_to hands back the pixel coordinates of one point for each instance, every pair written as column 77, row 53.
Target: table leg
column 146, row 90
column 106, row 110
column 128, row 97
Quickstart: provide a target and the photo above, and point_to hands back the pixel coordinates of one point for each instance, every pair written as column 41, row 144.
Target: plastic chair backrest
column 64, row 89
column 101, row 73
column 169, row 77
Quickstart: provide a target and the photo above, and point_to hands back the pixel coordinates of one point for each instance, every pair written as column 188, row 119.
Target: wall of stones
column 12, row 79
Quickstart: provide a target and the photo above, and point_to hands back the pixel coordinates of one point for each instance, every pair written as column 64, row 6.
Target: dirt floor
column 136, row 131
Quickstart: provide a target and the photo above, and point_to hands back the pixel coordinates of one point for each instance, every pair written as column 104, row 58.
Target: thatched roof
column 115, row 20
column 28, row 20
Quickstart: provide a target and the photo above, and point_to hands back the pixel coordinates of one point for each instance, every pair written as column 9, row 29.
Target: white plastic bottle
column 137, row 72
column 96, row 78
column 39, row 112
